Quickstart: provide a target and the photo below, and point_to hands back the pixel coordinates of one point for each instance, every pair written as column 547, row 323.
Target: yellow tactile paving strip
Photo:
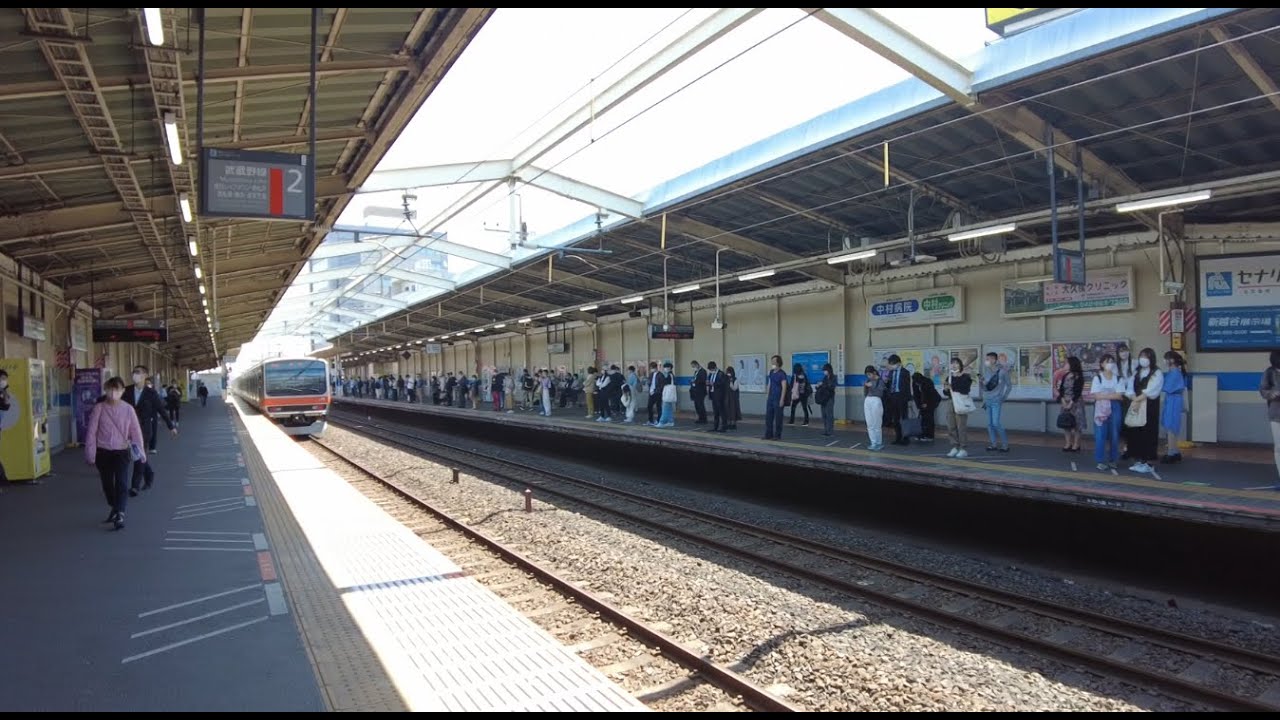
column 350, row 675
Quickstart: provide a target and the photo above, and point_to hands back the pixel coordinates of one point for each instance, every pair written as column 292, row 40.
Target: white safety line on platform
column 208, row 549
column 855, row 446
column 214, row 483
column 196, row 639
column 210, row 502
column 208, row 532
column 833, row 442
column 206, row 598
column 240, row 504
column 259, row 541
column 1263, row 487
column 1073, row 467
column 198, row 618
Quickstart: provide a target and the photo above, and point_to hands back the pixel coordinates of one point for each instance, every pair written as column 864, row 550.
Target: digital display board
column 259, row 185
column 671, row 332
column 139, row 330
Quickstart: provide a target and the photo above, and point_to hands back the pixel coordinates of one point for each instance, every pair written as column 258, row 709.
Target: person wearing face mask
column 897, row 387
column 1107, row 388
column 112, row 439
column 4, row 408
column 667, row 389
column 150, row 409
column 775, row 400
column 1144, row 396
column 1175, row 385
column 995, row 389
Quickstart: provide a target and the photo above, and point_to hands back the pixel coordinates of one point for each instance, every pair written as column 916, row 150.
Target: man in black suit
column 147, row 403
column 718, row 387
column 897, row 387
column 698, row 392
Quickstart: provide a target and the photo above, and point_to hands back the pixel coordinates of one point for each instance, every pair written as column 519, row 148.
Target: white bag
column 962, row 404
column 669, row 393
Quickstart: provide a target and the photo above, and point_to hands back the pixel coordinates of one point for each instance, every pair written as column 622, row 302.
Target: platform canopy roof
column 89, row 189
column 1134, row 103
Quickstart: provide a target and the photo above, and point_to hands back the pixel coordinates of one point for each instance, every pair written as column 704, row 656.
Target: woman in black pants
column 801, row 391
column 112, row 439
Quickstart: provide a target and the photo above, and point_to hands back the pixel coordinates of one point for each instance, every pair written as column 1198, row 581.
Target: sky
column 528, row 69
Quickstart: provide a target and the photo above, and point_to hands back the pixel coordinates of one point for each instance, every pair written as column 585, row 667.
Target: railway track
column 407, row 506
column 1186, row 667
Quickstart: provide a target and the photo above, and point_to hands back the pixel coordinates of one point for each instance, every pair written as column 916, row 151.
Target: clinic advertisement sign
column 1105, row 289
column 1239, row 302
column 86, row 387
column 926, row 307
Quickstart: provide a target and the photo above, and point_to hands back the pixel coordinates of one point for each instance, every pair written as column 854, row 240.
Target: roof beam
column 433, row 242
column 419, row 278
column 256, row 262
column 576, row 190
column 1248, row 65
column 378, row 300
column 437, row 175
column 884, row 37
column 242, row 60
column 215, row 76
column 1030, row 130
column 682, row 48
column 86, row 219
column 328, row 250
column 699, row 230
column 326, row 56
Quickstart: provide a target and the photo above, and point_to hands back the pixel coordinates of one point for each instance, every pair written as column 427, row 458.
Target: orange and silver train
column 293, row 392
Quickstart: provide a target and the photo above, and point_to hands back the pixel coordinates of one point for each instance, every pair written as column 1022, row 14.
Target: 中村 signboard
column 923, row 307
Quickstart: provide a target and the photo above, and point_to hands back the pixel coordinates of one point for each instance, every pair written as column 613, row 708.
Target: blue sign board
column 812, row 363
column 1239, row 304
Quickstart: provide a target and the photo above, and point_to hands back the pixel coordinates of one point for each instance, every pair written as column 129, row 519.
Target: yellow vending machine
column 24, row 427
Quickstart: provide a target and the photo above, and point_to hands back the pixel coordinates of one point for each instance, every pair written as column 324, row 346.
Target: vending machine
column 24, row 427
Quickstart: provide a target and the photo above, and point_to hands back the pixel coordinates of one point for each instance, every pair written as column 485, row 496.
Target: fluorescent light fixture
column 554, row 314
column 850, row 257
column 418, row 343
column 1166, row 201
column 478, row 331
column 431, row 339
column 525, row 320
column 982, row 232
column 636, row 299
column 198, row 273
column 499, row 326
column 758, row 275
column 191, row 245
column 685, row 289
column 588, row 308
column 205, row 301
column 202, row 290
column 155, row 26
column 1035, row 280
column 184, row 204
column 171, row 133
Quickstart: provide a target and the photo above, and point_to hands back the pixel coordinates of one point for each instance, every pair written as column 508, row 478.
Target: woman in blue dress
column 1175, row 388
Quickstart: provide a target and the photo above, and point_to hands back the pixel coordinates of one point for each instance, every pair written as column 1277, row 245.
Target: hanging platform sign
column 139, row 330
column 257, row 185
column 671, row 332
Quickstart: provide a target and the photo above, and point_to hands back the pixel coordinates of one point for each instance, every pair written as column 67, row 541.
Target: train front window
column 294, row 378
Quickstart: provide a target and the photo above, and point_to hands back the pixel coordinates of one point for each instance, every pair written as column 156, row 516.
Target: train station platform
column 179, row 611
column 1229, row 487
column 251, row 577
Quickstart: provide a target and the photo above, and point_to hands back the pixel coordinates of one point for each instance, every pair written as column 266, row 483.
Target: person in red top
column 113, row 437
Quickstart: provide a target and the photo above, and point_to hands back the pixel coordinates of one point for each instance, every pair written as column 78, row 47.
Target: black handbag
column 1066, row 421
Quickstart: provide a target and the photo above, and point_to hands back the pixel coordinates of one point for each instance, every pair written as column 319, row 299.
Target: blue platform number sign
column 812, row 363
column 1239, row 302
column 260, row 185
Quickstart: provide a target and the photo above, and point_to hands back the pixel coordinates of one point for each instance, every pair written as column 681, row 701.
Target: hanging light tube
column 759, row 274
column 588, row 308
column 686, row 289
column 171, row 133
column 184, row 204
column 983, row 232
column 155, row 25
column 630, row 300
column 850, row 257
column 1166, row 201
column 198, row 273
column 191, row 245
column 555, row 314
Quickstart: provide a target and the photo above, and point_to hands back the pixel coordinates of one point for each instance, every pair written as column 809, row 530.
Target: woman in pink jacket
column 113, row 442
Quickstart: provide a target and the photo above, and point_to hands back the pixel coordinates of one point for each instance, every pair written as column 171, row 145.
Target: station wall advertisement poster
column 751, row 371
column 920, row 307
column 1035, row 368
column 812, row 362
column 1106, row 289
column 1239, row 302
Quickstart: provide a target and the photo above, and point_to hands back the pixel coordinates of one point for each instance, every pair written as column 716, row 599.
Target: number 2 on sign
column 295, row 180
